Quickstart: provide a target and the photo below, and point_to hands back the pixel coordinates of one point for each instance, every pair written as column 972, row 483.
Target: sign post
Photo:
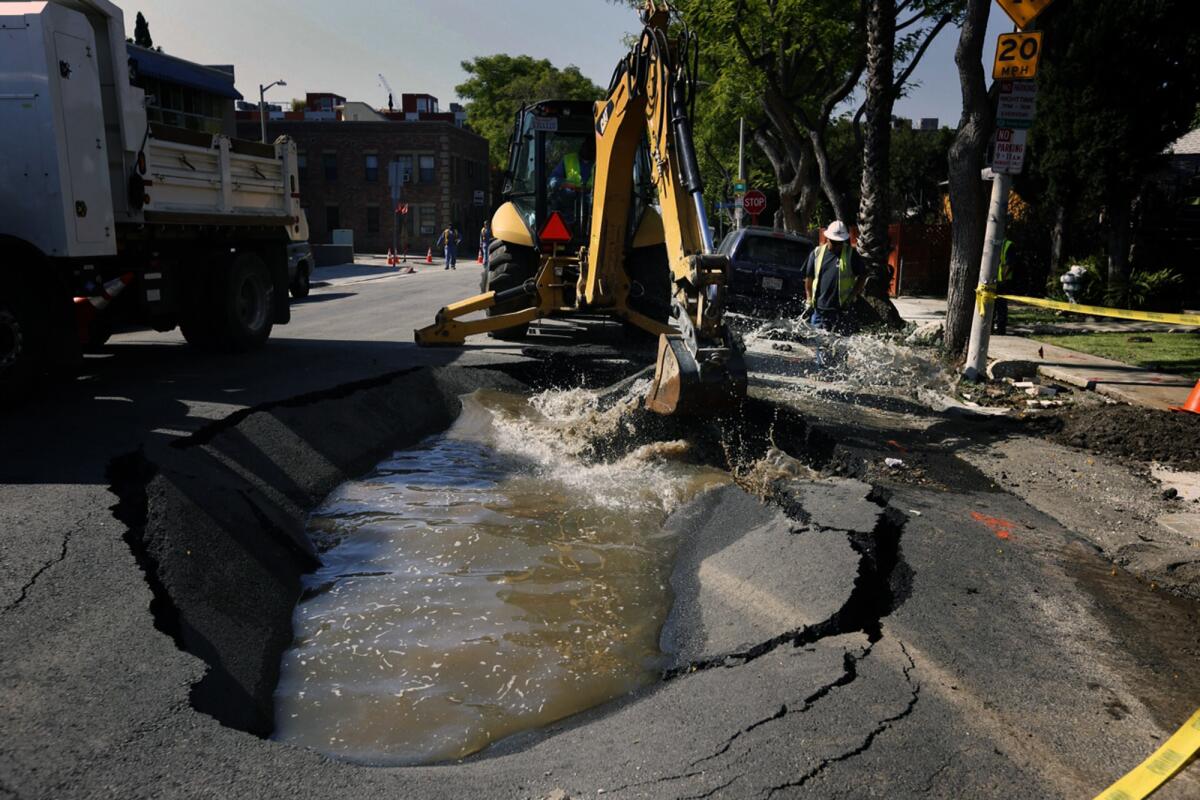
column 755, row 202
column 1017, row 56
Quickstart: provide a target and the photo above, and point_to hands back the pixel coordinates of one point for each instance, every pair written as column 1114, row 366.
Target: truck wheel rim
column 10, row 339
column 251, row 305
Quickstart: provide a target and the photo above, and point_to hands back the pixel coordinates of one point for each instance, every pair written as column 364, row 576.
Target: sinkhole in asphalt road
column 489, row 581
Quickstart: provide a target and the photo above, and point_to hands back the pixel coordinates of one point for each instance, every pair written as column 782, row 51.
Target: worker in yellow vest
column 573, row 178
column 834, row 277
column 1003, row 276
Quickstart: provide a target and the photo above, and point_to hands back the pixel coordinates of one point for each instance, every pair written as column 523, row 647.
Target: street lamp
column 262, row 105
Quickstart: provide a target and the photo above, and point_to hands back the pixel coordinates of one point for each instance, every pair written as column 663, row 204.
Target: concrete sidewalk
column 1012, row 356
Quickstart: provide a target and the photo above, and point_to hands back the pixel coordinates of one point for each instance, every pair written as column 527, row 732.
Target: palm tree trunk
column 873, row 216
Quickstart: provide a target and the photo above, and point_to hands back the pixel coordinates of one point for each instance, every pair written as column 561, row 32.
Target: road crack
column 881, row 727
column 848, row 676
column 29, row 584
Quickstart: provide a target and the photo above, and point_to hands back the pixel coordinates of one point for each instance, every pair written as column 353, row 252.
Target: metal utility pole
column 739, row 213
column 262, row 105
column 993, row 245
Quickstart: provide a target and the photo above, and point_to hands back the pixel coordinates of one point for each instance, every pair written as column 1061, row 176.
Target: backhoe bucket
column 683, row 385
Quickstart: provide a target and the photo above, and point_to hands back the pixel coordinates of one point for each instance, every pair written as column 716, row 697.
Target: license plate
column 774, row 284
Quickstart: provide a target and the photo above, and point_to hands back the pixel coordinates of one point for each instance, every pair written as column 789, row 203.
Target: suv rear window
column 770, row 250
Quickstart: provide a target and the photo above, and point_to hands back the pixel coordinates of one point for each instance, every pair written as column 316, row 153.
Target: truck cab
column 107, row 217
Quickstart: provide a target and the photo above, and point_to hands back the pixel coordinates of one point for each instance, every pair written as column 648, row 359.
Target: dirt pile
column 1124, row 431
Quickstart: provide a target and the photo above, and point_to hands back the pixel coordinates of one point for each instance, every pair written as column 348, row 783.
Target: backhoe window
column 570, row 174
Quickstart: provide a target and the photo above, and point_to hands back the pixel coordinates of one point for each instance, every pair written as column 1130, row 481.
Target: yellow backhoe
column 604, row 212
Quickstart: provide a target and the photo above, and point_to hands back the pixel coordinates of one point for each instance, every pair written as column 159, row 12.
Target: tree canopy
column 500, row 84
column 141, row 33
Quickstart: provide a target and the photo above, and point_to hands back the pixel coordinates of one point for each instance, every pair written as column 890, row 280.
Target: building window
column 372, row 219
column 302, row 164
column 428, row 220
column 428, row 170
column 333, row 218
column 406, row 167
column 329, row 166
column 371, row 168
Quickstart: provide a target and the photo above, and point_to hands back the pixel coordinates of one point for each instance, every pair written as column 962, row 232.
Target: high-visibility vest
column 846, row 279
column 574, row 172
column 1002, row 272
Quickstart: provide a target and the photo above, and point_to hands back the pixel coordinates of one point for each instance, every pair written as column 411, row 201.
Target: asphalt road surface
column 969, row 643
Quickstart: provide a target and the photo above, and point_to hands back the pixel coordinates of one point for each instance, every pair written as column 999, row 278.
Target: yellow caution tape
column 1160, row 767
column 986, row 293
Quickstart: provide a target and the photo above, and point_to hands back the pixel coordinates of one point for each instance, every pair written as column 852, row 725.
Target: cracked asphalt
column 854, row 637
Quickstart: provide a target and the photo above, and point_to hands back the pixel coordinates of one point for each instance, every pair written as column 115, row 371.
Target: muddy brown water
column 485, row 583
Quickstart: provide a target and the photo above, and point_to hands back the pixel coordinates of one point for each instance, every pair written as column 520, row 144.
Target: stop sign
column 755, row 202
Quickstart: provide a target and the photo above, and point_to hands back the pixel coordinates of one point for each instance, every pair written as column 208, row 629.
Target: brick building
column 345, row 149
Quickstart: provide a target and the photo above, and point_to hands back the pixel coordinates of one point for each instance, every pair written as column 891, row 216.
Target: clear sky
column 418, row 45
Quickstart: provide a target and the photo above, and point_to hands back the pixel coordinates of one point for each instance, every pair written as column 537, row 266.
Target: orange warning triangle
column 555, row 230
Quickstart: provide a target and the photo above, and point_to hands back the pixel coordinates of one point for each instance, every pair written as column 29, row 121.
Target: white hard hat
column 837, row 231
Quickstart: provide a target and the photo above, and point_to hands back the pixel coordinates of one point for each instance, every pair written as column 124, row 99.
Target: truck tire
column 302, row 283
column 230, row 307
column 509, row 266
column 245, row 305
column 24, row 341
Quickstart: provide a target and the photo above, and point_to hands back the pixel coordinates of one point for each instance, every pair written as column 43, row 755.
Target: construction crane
column 605, row 213
column 384, row 83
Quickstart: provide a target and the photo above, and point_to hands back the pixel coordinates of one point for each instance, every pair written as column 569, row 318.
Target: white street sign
column 479, row 198
column 1018, row 104
column 1009, row 158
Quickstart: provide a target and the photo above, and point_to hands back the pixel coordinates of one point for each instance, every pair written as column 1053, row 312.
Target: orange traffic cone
column 1192, row 406
column 479, row 258
column 86, row 308
column 391, row 257
column 429, row 256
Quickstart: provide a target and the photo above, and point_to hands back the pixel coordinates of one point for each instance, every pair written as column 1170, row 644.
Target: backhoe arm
column 651, row 95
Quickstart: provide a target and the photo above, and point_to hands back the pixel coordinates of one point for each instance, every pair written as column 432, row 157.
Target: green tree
column 497, row 86
column 141, row 33
column 1119, row 81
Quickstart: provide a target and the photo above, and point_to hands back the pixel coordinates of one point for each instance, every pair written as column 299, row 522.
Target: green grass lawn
column 1030, row 315
column 1173, row 353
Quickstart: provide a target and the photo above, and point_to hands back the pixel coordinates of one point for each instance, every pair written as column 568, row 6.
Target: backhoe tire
column 649, row 268
column 509, row 266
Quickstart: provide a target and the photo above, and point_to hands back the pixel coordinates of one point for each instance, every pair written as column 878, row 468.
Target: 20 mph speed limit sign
column 1017, row 56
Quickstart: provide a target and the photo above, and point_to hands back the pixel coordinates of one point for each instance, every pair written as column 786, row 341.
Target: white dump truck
column 108, row 218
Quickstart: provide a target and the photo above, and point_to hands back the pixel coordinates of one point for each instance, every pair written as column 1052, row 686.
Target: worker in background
column 1003, row 275
column 485, row 239
column 574, row 177
column 834, row 277
column 452, row 239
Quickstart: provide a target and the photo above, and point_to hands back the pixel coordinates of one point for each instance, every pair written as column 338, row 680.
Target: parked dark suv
column 767, row 270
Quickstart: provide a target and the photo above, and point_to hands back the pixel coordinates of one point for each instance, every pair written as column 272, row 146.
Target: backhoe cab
column 604, row 212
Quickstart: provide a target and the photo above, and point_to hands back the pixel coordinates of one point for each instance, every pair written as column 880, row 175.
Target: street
column 945, row 637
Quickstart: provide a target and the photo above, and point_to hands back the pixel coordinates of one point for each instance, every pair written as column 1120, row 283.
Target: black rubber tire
column 302, row 283
column 231, row 306
column 24, row 341
column 246, row 305
column 509, row 266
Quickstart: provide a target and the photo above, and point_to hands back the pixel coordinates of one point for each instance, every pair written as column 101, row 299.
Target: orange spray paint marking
column 1001, row 527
